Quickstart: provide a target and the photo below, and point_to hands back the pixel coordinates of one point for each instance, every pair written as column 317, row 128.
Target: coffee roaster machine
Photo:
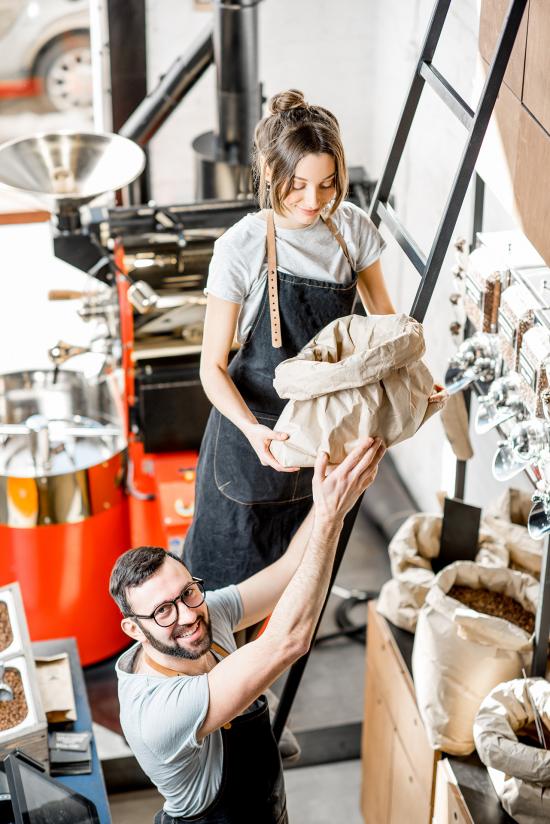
column 91, row 465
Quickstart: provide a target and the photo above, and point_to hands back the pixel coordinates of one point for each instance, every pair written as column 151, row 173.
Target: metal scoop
column 6, row 692
column 539, row 726
column 538, row 523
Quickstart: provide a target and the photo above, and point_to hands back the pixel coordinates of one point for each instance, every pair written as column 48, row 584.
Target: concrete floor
column 315, row 795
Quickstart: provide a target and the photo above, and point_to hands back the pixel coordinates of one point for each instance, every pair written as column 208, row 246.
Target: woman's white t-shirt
column 238, row 269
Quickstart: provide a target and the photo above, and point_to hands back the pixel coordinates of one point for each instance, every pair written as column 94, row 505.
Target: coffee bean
column 15, row 711
column 6, row 634
column 494, row 603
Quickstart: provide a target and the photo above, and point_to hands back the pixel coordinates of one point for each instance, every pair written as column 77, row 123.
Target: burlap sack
column 359, row 376
column 459, row 654
column 507, row 519
column 520, row 773
column 411, row 551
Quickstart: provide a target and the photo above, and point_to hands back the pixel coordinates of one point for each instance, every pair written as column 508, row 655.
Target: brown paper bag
column 56, row 687
column 507, row 518
column 411, row 551
column 358, row 377
column 460, row 655
column 520, row 773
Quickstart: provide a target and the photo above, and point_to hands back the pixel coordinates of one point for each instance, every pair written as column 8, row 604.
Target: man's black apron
column 246, row 513
column 252, row 786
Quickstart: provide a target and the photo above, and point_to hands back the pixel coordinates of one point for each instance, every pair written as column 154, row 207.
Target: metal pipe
column 542, row 620
column 159, row 104
column 238, row 88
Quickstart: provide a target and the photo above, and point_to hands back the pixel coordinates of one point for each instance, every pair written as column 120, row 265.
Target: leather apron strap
column 336, row 234
column 172, row 673
column 219, row 649
column 276, row 339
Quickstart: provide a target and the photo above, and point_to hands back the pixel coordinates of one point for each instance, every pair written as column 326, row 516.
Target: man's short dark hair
column 132, row 569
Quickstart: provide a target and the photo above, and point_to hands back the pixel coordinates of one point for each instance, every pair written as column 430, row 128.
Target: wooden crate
column 31, row 734
column 398, row 763
column 449, row 806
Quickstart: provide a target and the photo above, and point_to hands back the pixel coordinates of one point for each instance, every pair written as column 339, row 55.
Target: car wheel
column 64, row 70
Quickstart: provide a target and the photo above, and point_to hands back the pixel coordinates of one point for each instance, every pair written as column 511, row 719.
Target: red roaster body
column 63, row 568
column 63, row 571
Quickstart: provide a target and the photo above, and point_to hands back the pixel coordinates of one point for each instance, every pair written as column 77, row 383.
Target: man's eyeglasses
column 166, row 614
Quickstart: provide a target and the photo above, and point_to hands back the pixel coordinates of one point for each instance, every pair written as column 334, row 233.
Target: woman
column 321, row 251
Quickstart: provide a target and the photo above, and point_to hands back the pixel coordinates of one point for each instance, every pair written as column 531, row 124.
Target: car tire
column 63, row 72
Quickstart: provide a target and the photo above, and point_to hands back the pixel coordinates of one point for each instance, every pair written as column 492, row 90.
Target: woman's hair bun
column 285, row 101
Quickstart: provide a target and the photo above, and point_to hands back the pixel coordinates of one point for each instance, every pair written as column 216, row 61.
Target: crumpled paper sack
column 412, row 549
column 359, row 377
column 507, row 517
column 460, row 655
column 520, row 773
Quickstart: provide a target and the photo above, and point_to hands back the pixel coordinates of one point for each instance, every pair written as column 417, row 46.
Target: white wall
column 357, row 57
column 30, row 324
column 317, row 46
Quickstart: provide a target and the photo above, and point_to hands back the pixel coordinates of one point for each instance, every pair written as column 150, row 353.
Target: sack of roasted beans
column 508, row 744
column 474, row 631
column 412, row 549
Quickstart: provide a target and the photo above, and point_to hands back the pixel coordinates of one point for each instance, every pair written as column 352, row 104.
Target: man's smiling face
column 191, row 635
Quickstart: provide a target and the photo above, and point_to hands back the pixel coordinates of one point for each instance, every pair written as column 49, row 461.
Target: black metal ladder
column 429, row 267
column 475, row 122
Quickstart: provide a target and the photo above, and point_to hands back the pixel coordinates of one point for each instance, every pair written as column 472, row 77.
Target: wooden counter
column 399, row 767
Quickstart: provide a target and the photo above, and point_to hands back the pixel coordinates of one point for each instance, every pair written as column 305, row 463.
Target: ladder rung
column 388, row 216
column 448, row 95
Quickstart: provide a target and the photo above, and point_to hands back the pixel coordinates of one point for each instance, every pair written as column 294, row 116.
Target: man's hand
column 335, row 493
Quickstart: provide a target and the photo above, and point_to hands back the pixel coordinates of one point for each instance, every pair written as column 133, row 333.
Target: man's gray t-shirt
column 160, row 718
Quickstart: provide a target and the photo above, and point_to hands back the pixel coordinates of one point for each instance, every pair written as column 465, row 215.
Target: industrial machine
column 91, row 465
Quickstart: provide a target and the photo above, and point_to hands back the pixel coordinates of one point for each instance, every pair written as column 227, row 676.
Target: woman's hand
column 440, row 395
column 260, row 437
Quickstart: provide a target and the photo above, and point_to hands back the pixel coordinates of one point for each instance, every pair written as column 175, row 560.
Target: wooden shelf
column 400, row 772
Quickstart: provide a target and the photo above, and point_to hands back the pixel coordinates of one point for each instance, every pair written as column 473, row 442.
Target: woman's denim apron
column 246, row 513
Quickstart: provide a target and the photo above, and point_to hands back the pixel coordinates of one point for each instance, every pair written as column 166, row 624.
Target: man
column 193, row 714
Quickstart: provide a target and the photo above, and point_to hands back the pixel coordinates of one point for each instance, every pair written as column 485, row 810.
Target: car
column 45, row 52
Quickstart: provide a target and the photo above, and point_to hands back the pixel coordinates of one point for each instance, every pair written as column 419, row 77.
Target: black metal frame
column 475, row 121
column 382, row 211
column 477, row 225
column 128, row 66
column 152, row 111
column 542, row 620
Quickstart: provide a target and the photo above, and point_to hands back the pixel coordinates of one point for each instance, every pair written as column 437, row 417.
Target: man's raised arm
column 241, row 677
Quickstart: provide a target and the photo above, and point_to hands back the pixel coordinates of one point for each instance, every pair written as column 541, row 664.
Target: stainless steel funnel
column 70, row 168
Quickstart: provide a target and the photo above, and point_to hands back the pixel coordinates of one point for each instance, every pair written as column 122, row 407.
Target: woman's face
column 313, row 186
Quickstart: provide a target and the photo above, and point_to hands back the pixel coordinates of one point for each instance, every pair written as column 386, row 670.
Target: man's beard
column 181, row 652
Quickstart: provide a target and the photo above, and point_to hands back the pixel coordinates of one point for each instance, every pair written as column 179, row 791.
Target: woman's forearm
column 373, row 292
column 225, row 396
